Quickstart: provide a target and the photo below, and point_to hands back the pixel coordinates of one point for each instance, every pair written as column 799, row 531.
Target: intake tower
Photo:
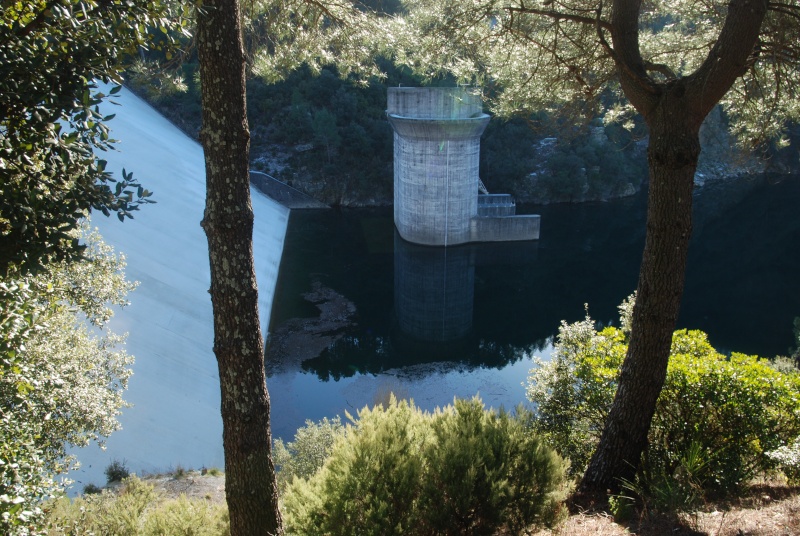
column 436, row 155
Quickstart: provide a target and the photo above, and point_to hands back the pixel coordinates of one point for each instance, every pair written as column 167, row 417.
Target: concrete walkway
column 281, row 192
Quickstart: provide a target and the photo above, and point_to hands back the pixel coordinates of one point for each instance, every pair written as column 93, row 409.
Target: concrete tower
column 436, row 155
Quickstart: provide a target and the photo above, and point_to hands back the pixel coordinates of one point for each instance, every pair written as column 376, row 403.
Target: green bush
column 370, row 481
column 486, row 470
column 116, row 471
column 736, row 408
column 136, row 509
column 716, row 418
column 305, row 455
column 397, row 470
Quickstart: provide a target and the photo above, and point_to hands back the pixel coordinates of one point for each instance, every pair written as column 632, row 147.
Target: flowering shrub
column 787, row 458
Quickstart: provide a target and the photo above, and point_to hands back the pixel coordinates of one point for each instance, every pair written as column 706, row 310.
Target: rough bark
column 672, row 155
column 674, row 111
column 250, row 486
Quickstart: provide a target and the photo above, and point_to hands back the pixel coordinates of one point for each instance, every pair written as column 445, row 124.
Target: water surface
column 433, row 323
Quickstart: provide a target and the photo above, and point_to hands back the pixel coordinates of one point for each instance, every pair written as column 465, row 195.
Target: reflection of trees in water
column 745, row 258
column 370, row 354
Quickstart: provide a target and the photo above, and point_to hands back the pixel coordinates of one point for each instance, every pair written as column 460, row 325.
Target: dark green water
column 430, row 321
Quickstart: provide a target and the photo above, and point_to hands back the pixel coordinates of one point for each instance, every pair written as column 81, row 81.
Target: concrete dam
column 436, row 185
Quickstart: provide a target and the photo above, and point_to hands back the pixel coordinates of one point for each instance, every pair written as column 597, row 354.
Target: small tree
column 61, row 380
column 326, row 132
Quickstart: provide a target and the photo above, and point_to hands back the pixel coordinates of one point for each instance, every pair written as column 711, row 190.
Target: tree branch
column 558, row 15
column 637, row 84
column 660, row 68
column 730, row 55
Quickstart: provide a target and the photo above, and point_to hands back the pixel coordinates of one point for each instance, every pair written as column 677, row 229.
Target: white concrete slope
column 175, row 418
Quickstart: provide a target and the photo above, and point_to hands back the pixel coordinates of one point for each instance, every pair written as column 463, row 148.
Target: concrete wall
column 433, row 102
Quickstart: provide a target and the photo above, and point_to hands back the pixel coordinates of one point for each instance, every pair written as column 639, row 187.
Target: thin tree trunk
column 250, row 487
column 672, row 156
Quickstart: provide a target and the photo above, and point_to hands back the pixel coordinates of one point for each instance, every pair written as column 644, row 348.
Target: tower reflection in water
column 434, row 294
column 451, row 307
column 434, row 297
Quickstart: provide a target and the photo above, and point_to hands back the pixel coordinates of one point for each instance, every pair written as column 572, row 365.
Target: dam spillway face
column 436, row 158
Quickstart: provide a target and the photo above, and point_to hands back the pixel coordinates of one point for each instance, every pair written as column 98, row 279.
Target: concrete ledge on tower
column 504, row 228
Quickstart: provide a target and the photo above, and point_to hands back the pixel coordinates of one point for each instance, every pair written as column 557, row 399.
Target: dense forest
column 328, row 136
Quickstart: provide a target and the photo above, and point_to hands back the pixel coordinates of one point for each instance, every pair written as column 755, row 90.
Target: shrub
column 108, row 513
column 180, row 472
column 116, row 471
column 716, row 417
column 785, row 365
column 370, row 481
column 185, row 517
column 136, row 509
column 573, row 391
column 735, row 408
column 787, row 458
column 92, row 489
column 212, row 471
column 486, row 470
column 305, row 455
column 397, row 470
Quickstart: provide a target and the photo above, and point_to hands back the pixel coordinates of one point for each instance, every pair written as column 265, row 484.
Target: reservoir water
column 357, row 313
column 432, row 323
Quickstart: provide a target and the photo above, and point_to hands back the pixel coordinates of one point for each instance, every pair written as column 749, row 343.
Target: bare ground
column 192, row 484
column 765, row 511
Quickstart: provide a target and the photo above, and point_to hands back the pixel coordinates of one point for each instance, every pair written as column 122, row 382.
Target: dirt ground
column 192, row 484
column 766, row 511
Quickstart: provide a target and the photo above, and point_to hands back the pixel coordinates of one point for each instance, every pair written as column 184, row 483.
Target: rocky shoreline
column 299, row 339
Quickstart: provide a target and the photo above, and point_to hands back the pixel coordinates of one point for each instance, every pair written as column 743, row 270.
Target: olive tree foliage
column 671, row 62
column 62, row 374
column 52, row 53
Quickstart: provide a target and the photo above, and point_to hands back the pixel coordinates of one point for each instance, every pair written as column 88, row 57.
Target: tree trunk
column 674, row 111
column 250, row 486
column 672, row 157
